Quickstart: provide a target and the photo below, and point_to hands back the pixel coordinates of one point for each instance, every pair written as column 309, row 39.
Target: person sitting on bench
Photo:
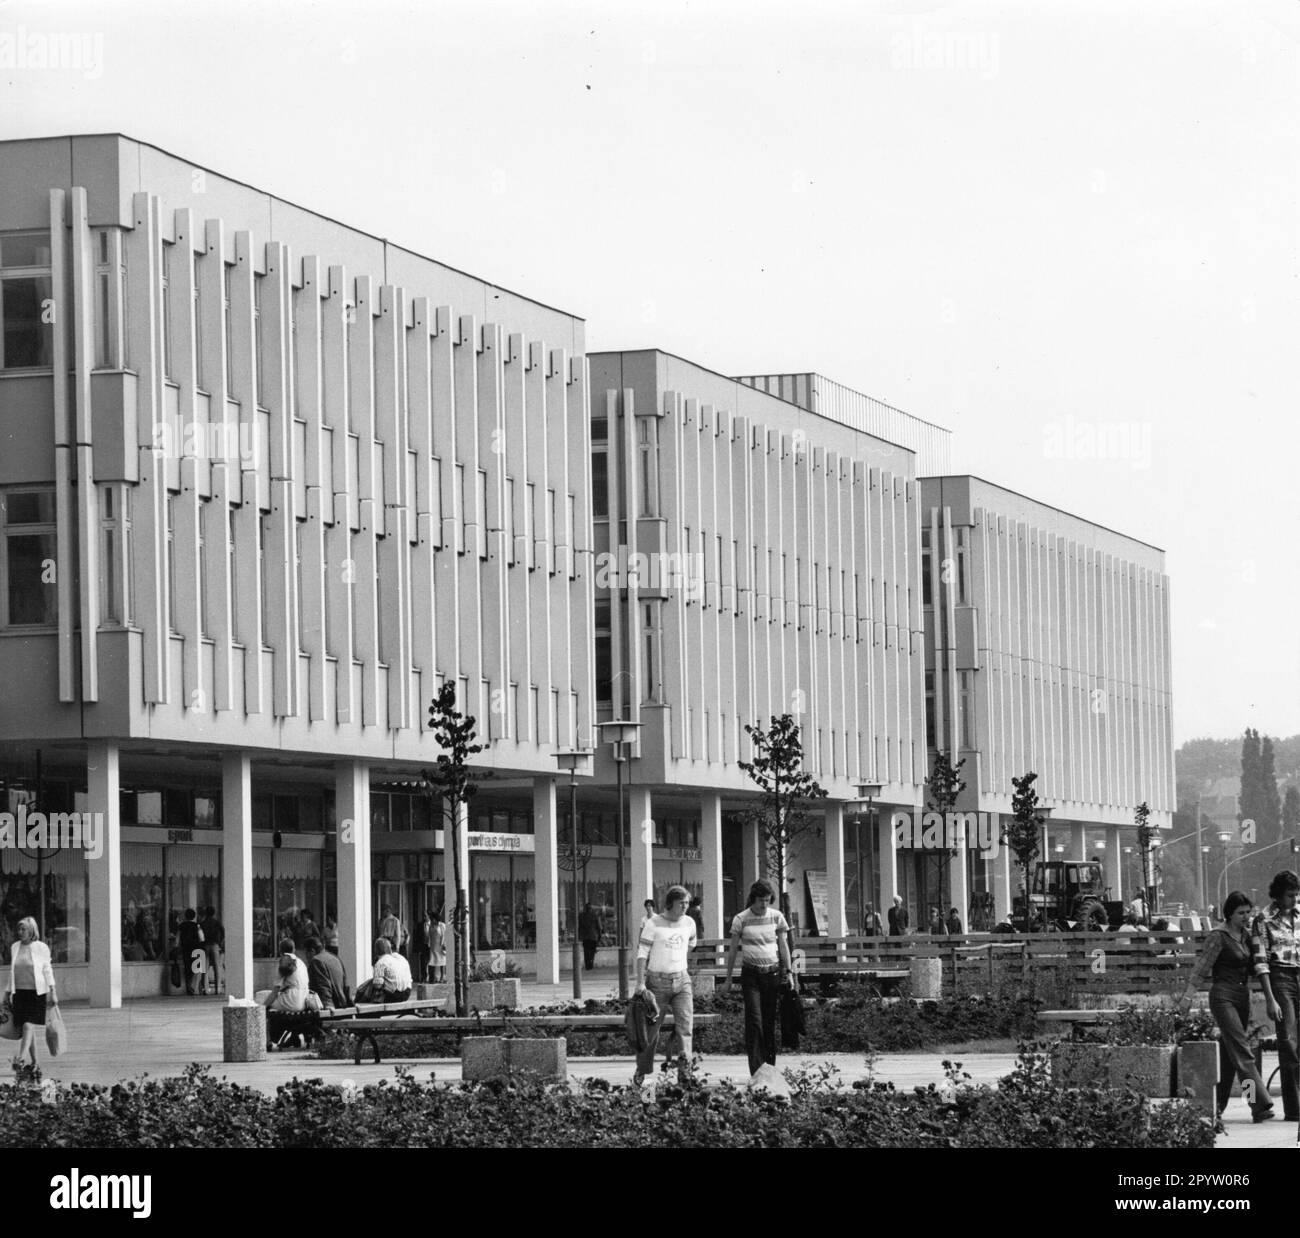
column 392, row 977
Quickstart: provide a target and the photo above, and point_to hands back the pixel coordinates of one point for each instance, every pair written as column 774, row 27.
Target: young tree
column 945, row 785
column 777, row 770
column 1023, row 832
column 1145, row 836
column 452, row 782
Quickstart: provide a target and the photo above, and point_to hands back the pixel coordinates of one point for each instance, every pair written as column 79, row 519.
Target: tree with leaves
column 945, row 784
column 452, row 781
column 782, row 816
column 1268, row 813
column 1291, row 812
column 1146, row 835
column 1023, row 832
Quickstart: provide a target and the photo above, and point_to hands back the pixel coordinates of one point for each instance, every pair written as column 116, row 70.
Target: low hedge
column 198, row 1111
column 853, row 1023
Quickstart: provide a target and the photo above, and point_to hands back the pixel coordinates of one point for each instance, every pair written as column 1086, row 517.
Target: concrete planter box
column 444, row 993
column 492, row 994
column 1148, row 1069
column 704, row 986
column 927, row 979
column 243, row 1034
column 1197, row 1073
column 504, row 1057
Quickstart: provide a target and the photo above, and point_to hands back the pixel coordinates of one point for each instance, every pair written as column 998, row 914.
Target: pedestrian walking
column 954, row 922
column 438, row 949
column 31, row 988
column 423, row 946
column 1227, row 961
column 590, row 930
column 898, row 918
column 1276, row 948
column 391, row 928
column 662, row 957
column 214, row 944
column 871, row 926
column 761, row 936
column 194, row 959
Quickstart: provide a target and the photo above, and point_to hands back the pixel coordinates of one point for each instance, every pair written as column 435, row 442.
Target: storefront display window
column 143, row 908
column 503, row 902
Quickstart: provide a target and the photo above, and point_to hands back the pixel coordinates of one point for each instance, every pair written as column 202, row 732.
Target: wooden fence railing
column 974, row 962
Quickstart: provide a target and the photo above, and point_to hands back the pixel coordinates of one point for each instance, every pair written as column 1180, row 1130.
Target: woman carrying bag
column 31, row 985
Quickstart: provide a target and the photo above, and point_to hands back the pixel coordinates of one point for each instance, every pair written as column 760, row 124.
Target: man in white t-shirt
column 661, row 960
column 761, row 936
column 392, row 978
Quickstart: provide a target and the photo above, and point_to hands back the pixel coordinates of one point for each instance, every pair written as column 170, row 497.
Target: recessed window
column 28, row 545
column 26, row 301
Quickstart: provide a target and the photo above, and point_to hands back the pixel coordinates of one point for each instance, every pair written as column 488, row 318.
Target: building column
column 1078, row 842
column 546, row 908
column 837, row 922
column 1113, row 864
column 450, row 894
column 959, row 880
column 887, row 847
column 357, row 928
column 237, row 871
column 641, row 865
column 105, row 872
column 711, row 852
column 1002, row 892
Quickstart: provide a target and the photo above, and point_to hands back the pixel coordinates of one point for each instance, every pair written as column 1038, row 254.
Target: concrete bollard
column 1197, row 1073
column 927, row 979
column 243, row 1034
column 482, row 1057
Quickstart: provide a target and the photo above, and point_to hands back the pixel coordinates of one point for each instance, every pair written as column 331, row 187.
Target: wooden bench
column 310, row 1023
column 371, row 1030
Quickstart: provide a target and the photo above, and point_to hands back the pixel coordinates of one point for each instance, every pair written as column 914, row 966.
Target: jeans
column 1286, row 989
column 1230, row 1006
column 760, row 991
column 672, row 990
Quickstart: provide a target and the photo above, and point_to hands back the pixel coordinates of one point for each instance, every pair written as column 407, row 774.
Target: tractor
column 1068, row 896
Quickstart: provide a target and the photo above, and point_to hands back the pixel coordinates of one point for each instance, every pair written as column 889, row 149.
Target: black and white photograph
column 693, row 574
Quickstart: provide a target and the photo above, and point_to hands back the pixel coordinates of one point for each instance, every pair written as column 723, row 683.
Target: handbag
column 9, row 1029
column 56, row 1034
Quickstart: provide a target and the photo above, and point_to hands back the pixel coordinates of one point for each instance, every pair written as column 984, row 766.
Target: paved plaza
column 162, row 1036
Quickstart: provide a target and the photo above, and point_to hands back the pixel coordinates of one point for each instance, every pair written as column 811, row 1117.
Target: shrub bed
column 854, row 1023
column 198, row 1111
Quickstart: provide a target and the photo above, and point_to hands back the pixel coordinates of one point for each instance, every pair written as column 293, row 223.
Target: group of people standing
column 1266, row 946
column 427, row 953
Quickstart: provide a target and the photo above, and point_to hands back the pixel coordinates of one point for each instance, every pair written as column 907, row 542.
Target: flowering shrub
column 197, row 1111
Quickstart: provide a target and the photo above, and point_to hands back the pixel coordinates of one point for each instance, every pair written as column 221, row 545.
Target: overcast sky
column 1066, row 231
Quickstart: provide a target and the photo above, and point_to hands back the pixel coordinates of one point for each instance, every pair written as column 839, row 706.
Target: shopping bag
column 56, row 1034
column 9, row 1029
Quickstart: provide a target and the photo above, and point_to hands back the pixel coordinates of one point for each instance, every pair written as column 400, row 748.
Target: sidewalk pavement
column 160, row 1037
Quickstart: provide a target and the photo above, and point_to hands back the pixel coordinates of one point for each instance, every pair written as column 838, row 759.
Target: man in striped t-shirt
column 761, row 936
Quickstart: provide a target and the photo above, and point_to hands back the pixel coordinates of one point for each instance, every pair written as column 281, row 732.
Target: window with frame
column 29, row 545
column 110, row 278
column 604, row 635
column 927, row 590
column 648, row 452
column 481, row 496
column 652, row 665
column 966, row 709
column 600, row 483
column 26, row 301
column 930, row 725
column 165, row 318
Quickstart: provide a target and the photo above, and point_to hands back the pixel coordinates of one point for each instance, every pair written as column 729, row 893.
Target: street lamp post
column 1204, row 875
column 618, row 735
column 572, row 761
column 866, row 791
column 1224, row 839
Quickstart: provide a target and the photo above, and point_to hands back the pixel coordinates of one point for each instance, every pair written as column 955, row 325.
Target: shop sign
column 502, row 842
column 180, row 836
column 685, row 853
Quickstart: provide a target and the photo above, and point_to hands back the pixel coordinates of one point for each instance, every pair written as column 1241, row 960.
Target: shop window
column 143, row 911
column 503, row 902
column 604, row 651
column 26, row 302
column 29, row 549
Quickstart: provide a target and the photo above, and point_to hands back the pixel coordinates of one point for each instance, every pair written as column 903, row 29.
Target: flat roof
column 234, row 180
column 1029, row 498
column 729, row 378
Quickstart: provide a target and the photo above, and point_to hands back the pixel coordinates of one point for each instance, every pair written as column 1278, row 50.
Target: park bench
column 310, row 1023
column 369, row 1030
column 827, row 960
